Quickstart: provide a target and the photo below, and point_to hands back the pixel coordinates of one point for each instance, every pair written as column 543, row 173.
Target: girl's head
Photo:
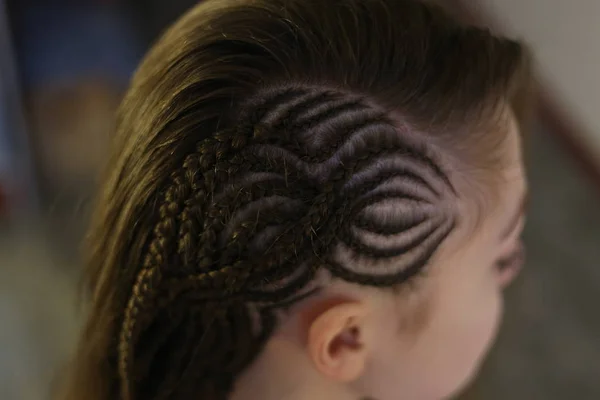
column 307, row 199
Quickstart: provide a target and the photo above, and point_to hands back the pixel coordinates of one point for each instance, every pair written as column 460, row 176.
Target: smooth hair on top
column 260, row 144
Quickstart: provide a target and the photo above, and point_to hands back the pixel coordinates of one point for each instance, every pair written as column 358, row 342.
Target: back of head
column 265, row 147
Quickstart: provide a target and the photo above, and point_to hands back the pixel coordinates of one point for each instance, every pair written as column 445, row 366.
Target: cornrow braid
column 192, row 212
column 307, row 179
column 160, row 253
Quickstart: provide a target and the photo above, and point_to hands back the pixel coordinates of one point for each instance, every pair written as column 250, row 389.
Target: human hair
column 265, row 142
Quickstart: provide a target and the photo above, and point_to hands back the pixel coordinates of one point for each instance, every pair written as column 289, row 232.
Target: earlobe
column 336, row 341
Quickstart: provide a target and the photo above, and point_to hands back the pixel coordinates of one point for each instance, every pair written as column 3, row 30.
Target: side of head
column 329, row 183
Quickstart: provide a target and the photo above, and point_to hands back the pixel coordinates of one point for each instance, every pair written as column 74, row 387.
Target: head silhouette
column 307, row 199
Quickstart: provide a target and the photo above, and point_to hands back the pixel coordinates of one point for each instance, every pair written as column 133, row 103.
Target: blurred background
column 63, row 68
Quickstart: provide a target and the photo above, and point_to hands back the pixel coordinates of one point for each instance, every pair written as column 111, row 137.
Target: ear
column 336, row 341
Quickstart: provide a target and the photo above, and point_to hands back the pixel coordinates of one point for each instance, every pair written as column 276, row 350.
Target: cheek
column 440, row 350
column 463, row 325
column 476, row 328
column 472, row 306
column 469, row 316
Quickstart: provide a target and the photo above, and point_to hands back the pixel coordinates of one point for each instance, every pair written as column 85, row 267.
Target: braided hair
column 263, row 144
column 314, row 179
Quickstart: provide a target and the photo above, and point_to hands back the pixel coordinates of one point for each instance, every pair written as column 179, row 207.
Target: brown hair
column 265, row 141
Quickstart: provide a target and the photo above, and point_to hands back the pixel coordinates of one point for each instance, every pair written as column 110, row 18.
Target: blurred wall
column 566, row 39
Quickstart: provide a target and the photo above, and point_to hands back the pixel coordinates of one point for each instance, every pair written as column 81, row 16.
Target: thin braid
column 192, row 213
column 158, row 256
column 224, row 143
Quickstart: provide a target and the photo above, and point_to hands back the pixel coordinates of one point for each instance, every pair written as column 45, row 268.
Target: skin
column 423, row 342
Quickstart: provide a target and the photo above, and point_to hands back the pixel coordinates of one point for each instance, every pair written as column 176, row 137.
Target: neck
column 283, row 372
